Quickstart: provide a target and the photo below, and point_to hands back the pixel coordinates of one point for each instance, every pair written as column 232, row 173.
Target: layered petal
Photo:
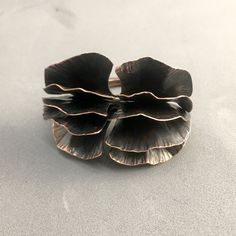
column 139, row 134
column 149, row 76
column 87, row 124
column 79, row 105
column 87, row 73
column 83, row 147
column 152, row 157
column 158, row 110
column 184, row 102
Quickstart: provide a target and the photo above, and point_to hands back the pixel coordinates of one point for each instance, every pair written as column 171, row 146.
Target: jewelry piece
column 151, row 114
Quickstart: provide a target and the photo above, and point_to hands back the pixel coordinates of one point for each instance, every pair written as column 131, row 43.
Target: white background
column 44, row 193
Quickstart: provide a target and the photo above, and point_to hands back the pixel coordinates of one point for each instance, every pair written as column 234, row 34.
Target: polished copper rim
column 156, row 147
column 66, row 148
column 148, row 161
column 185, row 118
column 72, row 90
column 115, row 82
column 75, row 114
column 83, row 134
column 184, row 140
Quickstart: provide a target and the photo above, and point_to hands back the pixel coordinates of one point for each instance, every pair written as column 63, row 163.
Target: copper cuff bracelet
column 149, row 121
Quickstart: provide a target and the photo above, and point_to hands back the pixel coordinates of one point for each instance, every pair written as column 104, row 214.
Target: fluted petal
column 78, row 105
column 78, row 125
column 52, row 113
column 147, row 75
column 139, row 134
column 185, row 103
column 83, row 147
column 154, row 109
column 152, row 157
column 84, row 73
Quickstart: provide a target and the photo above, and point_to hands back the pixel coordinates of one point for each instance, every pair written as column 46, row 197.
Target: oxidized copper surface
column 152, row 112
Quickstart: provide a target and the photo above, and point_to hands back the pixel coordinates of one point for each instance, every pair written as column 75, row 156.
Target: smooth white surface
column 44, row 193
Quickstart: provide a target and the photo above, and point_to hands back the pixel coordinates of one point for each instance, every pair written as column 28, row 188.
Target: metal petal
column 152, row 157
column 147, row 75
column 83, row 147
column 151, row 108
column 84, row 73
column 79, row 105
column 52, row 113
column 139, row 134
column 185, row 103
column 82, row 125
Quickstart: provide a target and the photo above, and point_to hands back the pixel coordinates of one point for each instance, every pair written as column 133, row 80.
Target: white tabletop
column 44, row 193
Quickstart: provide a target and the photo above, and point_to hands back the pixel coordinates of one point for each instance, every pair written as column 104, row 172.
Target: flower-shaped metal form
column 149, row 120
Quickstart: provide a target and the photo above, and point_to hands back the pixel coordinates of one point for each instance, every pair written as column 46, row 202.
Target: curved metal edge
column 151, row 94
column 150, row 117
column 84, row 134
column 69, row 90
column 146, row 163
column 75, row 114
column 172, row 145
column 64, row 149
